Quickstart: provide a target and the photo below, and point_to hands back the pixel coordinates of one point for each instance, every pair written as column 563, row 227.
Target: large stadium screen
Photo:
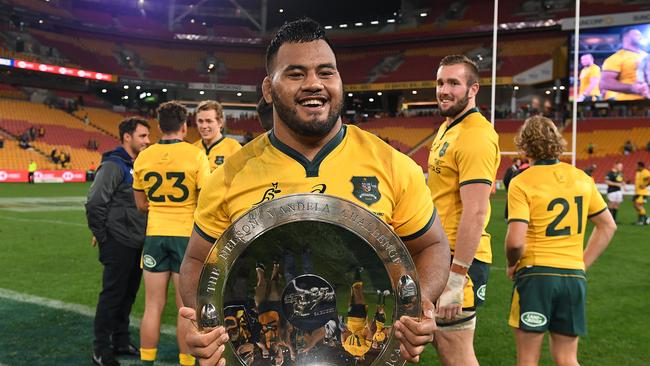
column 613, row 64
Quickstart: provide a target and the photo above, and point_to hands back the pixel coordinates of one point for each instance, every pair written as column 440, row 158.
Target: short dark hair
column 470, row 66
column 302, row 30
column 265, row 114
column 640, row 164
column 128, row 125
column 171, row 116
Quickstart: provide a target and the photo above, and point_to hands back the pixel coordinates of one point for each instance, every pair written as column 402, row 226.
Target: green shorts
column 547, row 298
column 163, row 253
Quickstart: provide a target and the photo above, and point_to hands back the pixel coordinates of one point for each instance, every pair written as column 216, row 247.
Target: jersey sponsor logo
column 443, row 149
column 270, row 193
column 219, row 159
column 480, row 293
column 533, row 319
column 366, row 189
column 319, row 188
column 148, row 261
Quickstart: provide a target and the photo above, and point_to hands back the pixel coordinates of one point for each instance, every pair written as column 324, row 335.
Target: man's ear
column 266, row 90
column 473, row 90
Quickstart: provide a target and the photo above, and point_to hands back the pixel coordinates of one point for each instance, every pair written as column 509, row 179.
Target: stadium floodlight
column 40, row 21
column 125, row 97
column 141, row 2
column 562, row 87
column 280, row 10
column 516, row 87
column 343, row 25
column 423, row 15
column 192, row 20
column 201, row 92
column 358, row 24
column 239, row 94
column 371, row 100
column 555, row 88
column 390, row 21
column 126, row 87
column 143, row 95
column 374, row 22
column 148, row 94
column 380, row 93
column 204, row 23
column 137, row 87
column 350, row 94
column 414, row 92
column 547, row 92
column 164, row 90
column 104, row 91
column 328, row 27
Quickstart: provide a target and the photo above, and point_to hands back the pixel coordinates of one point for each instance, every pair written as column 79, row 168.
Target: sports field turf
column 50, row 279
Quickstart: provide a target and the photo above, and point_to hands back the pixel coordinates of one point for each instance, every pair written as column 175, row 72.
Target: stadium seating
column 14, row 157
column 8, row 91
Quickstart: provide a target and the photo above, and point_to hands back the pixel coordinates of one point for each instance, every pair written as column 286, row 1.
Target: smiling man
column 209, row 122
column 463, row 163
column 310, row 150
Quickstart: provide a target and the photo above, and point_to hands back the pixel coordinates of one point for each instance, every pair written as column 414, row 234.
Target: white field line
column 55, row 222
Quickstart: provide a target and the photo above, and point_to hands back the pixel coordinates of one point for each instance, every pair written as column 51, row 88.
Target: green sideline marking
column 40, row 204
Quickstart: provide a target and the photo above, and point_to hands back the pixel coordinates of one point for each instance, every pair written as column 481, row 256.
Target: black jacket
column 110, row 208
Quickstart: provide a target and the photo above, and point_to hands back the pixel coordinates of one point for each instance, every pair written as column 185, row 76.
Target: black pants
column 120, row 284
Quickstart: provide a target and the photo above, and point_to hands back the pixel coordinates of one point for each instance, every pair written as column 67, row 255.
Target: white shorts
column 615, row 197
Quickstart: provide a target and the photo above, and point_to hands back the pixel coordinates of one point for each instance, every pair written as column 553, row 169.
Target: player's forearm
column 617, row 86
column 468, row 235
column 189, row 280
column 432, row 265
column 513, row 254
column 598, row 242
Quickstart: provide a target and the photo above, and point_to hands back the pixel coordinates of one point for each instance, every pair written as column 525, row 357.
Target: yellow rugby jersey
column 586, row 74
column 171, row 173
column 624, row 63
column 354, row 165
column 641, row 181
column 555, row 199
column 465, row 151
column 219, row 151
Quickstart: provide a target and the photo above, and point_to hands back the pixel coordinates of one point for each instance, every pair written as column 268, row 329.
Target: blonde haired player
column 549, row 204
column 210, row 122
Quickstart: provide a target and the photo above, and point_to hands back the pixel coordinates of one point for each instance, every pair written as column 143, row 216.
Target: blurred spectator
column 590, row 149
column 24, row 141
column 628, row 148
column 2, row 142
column 90, row 173
column 590, row 169
column 92, row 145
column 54, row 156
column 647, row 146
column 86, row 119
column 41, row 131
column 32, row 133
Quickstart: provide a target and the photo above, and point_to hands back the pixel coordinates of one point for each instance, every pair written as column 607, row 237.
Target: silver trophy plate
column 308, row 279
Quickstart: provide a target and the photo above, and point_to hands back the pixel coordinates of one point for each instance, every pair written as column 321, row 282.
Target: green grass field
column 50, row 280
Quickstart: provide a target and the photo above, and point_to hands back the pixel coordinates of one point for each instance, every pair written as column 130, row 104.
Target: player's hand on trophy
column 206, row 346
column 450, row 302
column 415, row 334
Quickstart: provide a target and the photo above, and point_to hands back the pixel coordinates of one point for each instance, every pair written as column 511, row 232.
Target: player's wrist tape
column 459, row 267
column 455, row 280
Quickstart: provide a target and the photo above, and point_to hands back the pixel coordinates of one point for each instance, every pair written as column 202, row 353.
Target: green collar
column 311, row 167
column 459, row 120
column 168, row 142
column 207, row 149
column 546, row 162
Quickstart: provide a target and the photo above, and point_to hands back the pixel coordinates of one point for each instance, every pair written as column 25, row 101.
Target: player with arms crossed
column 310, row 150
column 544, row 245
column 167, row 178
column 209, row 122
column 462, row 167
